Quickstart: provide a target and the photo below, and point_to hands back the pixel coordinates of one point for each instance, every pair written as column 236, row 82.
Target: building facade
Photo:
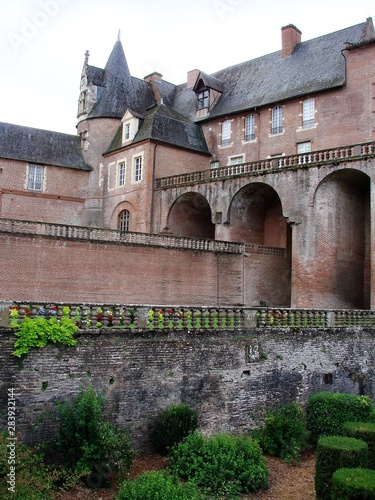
column 153, row 157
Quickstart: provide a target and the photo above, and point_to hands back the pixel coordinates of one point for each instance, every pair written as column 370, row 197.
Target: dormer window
column 208, row 90
column 130, row 125
column 203, row 99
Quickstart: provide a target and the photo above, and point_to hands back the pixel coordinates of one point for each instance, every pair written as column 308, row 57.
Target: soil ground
column 287, row 481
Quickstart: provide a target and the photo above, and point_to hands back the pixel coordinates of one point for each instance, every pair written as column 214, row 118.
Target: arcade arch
column 342, row 240
column 255, row 216
column 190, row 216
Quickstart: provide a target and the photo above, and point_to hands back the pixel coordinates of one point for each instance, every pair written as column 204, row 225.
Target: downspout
column 345, row 63
column 255, row 111
column 152, row 211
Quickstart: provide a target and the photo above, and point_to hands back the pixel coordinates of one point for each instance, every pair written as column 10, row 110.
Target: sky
column 43, row 43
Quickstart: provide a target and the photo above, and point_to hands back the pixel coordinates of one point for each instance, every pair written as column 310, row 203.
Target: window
column 277, row 120
column 308, row 113
column 225, row 133
column 121, row 173
column 235, row 160
column 124, row 221
column 203, row 99
column 137, row 168
column 215, row 164
column 126, row 131
column 250, row 127
column 35, row 178
column 302, row 149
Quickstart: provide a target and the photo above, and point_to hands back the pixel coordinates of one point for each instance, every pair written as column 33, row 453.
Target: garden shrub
column 353, row 484
column 326, row 412
column 38, row 332
column 87, row 442
column 221, row 464
column 157, row 485
column 366, row 432
column 33, row 479
column 333, row 453
column 171, row 426
column 284, row 433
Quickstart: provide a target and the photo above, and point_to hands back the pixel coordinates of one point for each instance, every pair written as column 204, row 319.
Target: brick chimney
column 290, row 37
column 151, row 79
column 192, row 78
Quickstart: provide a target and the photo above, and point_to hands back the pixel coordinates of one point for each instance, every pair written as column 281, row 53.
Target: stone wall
column 229, row 378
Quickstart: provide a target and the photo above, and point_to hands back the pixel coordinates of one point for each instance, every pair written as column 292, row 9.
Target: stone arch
column 255, row 216
column 124, row 205
column 190, row 215
column 342, row 240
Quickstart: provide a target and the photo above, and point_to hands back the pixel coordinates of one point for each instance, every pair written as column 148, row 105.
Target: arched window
column 124, row 221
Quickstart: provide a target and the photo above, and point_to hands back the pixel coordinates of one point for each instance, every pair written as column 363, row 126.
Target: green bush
column 326, row 412
column 87, row 442
column 333, row 453
column 158, row 485
column 171, row 426
column 33, row 479
column 284, row 433
column 366, row 432
column 38, row 332
column 221, row 464
column 353, row 484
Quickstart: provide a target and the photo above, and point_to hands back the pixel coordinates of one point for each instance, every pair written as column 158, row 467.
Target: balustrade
column 134, row 317
column 293, row 161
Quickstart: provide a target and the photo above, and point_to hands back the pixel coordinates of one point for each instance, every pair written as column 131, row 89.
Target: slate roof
column 163, row 124
column 117, row 89
column 41, row 146
column 314, row 66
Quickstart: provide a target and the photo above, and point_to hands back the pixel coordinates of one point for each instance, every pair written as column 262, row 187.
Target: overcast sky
column 43, row 42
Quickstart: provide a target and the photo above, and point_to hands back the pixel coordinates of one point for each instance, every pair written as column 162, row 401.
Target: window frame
column 249, row 133
column 308, row 112
column 203, row 99
column 121, row 173
column 35, row 177
column 277, row 120
column 124, row 220
column 137, row 169
column 226, row 133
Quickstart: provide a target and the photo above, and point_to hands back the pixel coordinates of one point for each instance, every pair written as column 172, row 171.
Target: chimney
column 151, row 79
column 290, row 37
column 192, row 78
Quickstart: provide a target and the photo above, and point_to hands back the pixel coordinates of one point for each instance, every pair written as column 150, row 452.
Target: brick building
column 147, row 154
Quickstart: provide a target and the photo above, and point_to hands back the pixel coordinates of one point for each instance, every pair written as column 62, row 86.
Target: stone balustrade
column 313, row 158
column 96, row 234
column 171, row 318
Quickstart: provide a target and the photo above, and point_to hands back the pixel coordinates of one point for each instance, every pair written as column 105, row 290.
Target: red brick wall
column 43, row 269
column 61, row 201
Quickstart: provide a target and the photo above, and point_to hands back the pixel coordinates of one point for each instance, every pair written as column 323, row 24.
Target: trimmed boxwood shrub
column 336, row 452
column 284, row 433
column 220, row 465
column 171, row 426
column 326, row 412
column 366, row 432
column 353, row 484
column 158, row 485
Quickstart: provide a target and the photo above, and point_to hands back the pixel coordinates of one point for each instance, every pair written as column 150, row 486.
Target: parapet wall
column 229, row 377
